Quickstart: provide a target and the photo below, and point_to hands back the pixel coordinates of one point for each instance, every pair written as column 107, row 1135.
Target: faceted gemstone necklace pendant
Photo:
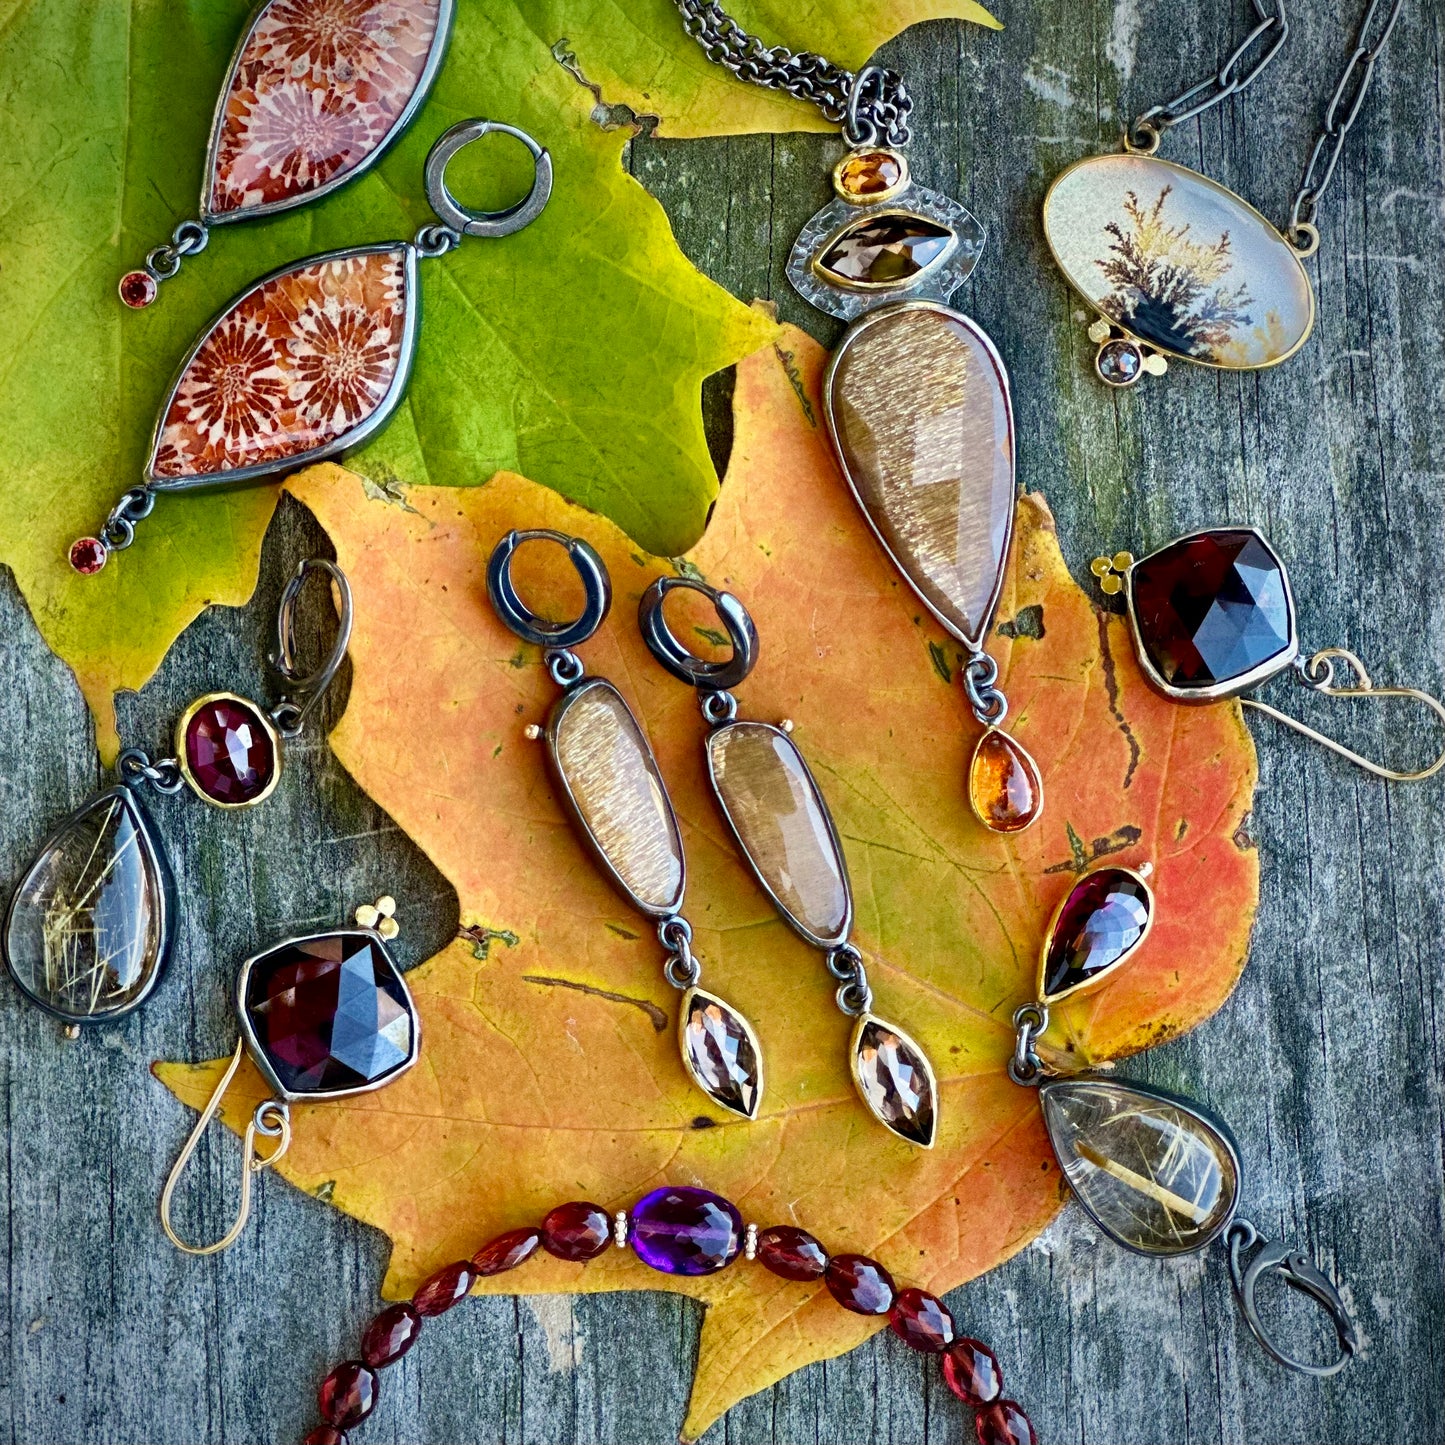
column 1005, row 789
column 315, row 92
column 228, row 751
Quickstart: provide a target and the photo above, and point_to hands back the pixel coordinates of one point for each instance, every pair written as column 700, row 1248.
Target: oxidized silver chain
column 872, row 105
column 1244, row 65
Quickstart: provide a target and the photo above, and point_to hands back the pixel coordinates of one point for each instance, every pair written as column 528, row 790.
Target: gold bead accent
column 1111, row 585
column 532, row 732
column 1099, row 332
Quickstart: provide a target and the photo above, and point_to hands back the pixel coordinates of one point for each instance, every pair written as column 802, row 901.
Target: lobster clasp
column 1300, row 1273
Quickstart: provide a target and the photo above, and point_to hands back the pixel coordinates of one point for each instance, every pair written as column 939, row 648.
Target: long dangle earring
column 314, row 94
column 1159, row 1174
column 89, row 926
column 309, row 361
column 609, row 781
column 916, row 398
column 783, row 828
column 1211, row 615
column 1175, row 264
column 323, row 1017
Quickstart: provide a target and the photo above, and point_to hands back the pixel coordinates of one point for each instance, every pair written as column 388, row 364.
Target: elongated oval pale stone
column 918, row 408
column 610, row 778
column 1179, row 261
column 1154, row 1173
column 783, row 824
column 87, row 931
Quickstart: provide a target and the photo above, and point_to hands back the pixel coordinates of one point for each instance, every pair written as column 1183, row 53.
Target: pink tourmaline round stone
column 87, row 556
column 137, row 289
column 229, row 751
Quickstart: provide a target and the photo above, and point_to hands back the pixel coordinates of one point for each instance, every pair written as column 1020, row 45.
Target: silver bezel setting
column 820, row 941
column 258, row 1053
column 362, row 431
column 1214, row 691
column 974, row 643
column 418, row 97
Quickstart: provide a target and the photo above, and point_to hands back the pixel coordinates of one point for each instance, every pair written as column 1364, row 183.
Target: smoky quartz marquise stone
column 328, row 1015
column 895, row 1080
column 720, row 1052
column 892, row 249
column 1212, row 612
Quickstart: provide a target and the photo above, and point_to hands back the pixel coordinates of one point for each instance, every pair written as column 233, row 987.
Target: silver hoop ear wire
column 272, row 1119
column 307, row 689
column 491, row 224
column 1318, row 674
column 680, row 661
column 521, row 619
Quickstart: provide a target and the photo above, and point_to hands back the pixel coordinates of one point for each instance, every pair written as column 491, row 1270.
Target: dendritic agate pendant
column 88, row 929
column 1176, row 266
column 1153, row 1171
column 308, row 362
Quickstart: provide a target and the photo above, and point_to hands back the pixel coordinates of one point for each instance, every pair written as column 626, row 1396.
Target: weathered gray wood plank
column 1328, row 1061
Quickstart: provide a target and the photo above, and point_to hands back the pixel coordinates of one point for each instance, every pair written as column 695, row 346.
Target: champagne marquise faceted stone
column 87, row 931
column 721, row 1053
column 616, row 793
column 895, row 1080
column 918, row 406
column 884, row 251
column 784, row 827
column 1154, row 1173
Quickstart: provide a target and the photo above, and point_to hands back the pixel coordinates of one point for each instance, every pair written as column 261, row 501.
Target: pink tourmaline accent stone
column 449, row 1286
column 506, row 1252
column 390, row 1335
column 1003, row 1423
column 1102, row 922
column 348, row 1394
column 577, row 1232
column 681, row 1230
column 229, row 751
column 860, row 1284
column 791, row 1253
column 971, row 1371
column 922, row 1321
column 137, row 289
column 88, row 555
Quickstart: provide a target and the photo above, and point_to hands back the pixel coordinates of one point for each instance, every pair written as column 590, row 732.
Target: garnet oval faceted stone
column 578, row 1231
column 449, row 1286
column 1004, row 786
column 506, row 1252
column 860, row 1284
column 330, row 1014
column 1101, row 923
column 884, row 251
column 922, row 1321
column 971, row 1371
column 1004, row 1423
column 1213, row 611
column 791, row 1253
column 324, row 1435
column 390, row 1335
column 681, row 1230
column 230, row 751
column 348, row 1394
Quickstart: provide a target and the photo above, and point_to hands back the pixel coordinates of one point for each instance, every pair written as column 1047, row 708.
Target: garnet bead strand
column 390, row 1335
column 348, row 1394
column 1003, row 1423
column 791, row 1253
column 506, row 1252
column 922, row 1321
column 971, row 1371
column 577, row 1232
column 325, row 1435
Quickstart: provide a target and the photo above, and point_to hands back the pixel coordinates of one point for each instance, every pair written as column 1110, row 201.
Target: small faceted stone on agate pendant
column 919, row 410
column 295, row 365
column 1154, row 1174
column 895, row 1080
column 886, row 250
column 230, row 753
column 721, row 1053
column 1004, row 786
column 782, row 821
column 1101, row 923
column 615, row 788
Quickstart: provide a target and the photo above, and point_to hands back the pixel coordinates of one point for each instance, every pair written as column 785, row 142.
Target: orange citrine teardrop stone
column 1004, row 786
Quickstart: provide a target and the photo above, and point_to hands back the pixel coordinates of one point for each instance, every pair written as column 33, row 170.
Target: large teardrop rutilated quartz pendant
column 307, row 362
column 316, row 90
column 88, row 929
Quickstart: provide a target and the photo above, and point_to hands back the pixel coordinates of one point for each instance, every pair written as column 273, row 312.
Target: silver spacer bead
column 619, row 1229
column 750, row 1242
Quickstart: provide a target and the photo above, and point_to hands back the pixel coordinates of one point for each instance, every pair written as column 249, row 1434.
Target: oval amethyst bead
column 679, row 1230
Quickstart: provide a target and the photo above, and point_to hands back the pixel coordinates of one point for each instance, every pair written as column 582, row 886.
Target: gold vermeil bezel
column 875, row 288
column 183, row 762
column 853, row 1068
column 682, row 1015
column 876, row 198
column 1103, row 977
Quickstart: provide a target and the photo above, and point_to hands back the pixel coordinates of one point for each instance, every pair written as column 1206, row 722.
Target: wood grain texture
column 1328, row 1061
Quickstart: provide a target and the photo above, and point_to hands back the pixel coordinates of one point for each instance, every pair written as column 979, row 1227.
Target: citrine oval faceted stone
column 870, row 175
column 1004, row 786
column 611, row 782
column 1212, row 612
column 329, row 1014
column 721, row 1052
column 917, row 404
column 230, row 751
column 769, row 796
column 88, row 928
column 681, row 1230
column 895, row 1080
column 884, row 252
column 1151, row 1170
column 317, row 90
column 1101, row 922
column 1179, row 261
column 292, row 371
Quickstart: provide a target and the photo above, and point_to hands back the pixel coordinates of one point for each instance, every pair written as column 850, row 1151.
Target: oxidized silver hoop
column 528, row 625
column 485, row 223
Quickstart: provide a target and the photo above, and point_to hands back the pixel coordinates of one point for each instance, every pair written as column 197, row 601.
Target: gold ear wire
column 1318, row 673
column 272, row 1118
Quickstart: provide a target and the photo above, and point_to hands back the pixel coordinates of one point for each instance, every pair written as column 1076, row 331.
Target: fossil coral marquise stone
column 1178, row 261
column 918, row 406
